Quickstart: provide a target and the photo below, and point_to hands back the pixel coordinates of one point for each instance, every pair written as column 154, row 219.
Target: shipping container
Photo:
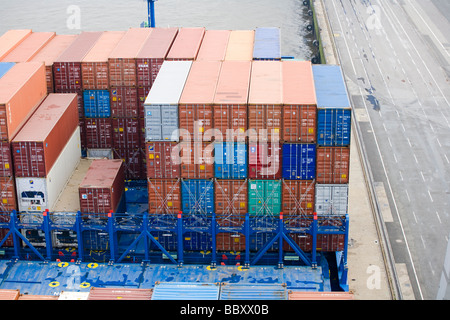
column 186, row 291
column 100, row 153
column 231, row 202
column 267, row 44
column 6, row 294
column 94, row 66
column 162, row 160
column 331, row 199
column 39, row 143
column 333, row 165
column 73, row 295
column 122, row 60
column 31, row 46
column 8, row 194
column 152, row 55
column 103, row 186
column 67, row 67
column 96, row 104
column 50, row 53
column 161, row 105
column 214, row 45
column 197, row 196
column 303, row 295
column 264, row 160
column 325, row 242
column 6, row 162
column 35, row 297
column 120, row 294
column 242, row 291
column 22, row 89
column 4, row 67
column 240, row 45
column 299, row 161
column 186, row 45
column 334, row 109
column 124, row 102
column 126, row 133
column 299, row 102
column 230, row 242
column 298, row 197
column 264, row 198
column 99, row 133
column 197, row 159
column 164, row 196
column 11, row 39
column 142, row 93
column 265, row 101
column 230, row 160
column 196, row 102
column 38, row 194
column 134, row 162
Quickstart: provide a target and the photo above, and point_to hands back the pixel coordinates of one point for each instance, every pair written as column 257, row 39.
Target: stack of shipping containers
column 30, row 47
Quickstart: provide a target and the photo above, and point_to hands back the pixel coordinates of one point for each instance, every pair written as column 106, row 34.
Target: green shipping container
column 264, row 197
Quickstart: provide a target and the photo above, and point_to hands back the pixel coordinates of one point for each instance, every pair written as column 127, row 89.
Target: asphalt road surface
column 396, row 60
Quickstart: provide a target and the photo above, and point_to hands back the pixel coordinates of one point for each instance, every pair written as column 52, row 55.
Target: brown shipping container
column 299, row 102
column 39, row 143
column 82, row 125
column 214, row 45
column 264, row 160
column 6, row 294
column 298, row 197
column 152, row 55
column 94, row 66
column 11, row 39
column 231, row 198
column 164, row 196
column 50, row 52
column 333, row 164
column 103, row 186
column 122, row 60
column 98, row 132
column 120, row 294
column 124, row 102
column 186, row 44
column 8, row 194
column 6, row 163
column 126, row 133
column 142, row 93
column 22, row 89
column 67, row 67
column 160, row 164
column 230, row 100
column 226, row 241
column 197, row 160
column 195, row 107
column 265, row 101
column 25, row 51
column 134, row 162
column 240, row 45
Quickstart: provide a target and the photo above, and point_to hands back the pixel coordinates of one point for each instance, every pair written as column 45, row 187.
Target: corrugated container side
column 253, row 292
column 186, row 44
column 6, row 294
column 197, row 160
column 120, row 294
column 264, row 197
column 240, row 45
column 230, row 160
column 4, row 67
column 267, row 44
column 299, row 161
column 11, row 39
column 197, row 196
column 25, row 51
column 333, row 127
column 22, row 89
column 164, row 196
column 333, row 165
column 142, row 93
column 8, row 195
column 98, row 133
column 214, row 45
column 37, row 297
column 161, row 160
column 226, row 241
column 103, row 186
column 126, row 133
column 6, row 162
column 97, row 103
column 265, row 160
column 133, row 160
column 298, row 197
column 40, row 142
column 325, row 242
column 302, row 295
column 124, row 102
column 231, row 201
column 185, row 291
column 331, row 199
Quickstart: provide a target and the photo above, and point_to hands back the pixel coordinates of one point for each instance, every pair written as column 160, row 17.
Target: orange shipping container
column 25, row 51
column 22, row 89
column 333, row 164
column 11, row 39
column 299, row 102
column 298, row 197
column 240, row 45
column 164, row 196
column 94, row 66
column 6, row 294
column 214, row 45
column 186, row 44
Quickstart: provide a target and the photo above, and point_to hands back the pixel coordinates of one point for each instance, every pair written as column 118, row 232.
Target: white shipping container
column 39, row 194
column 161, row 104
column 68, row 295
column 331, row 199
column 100, row 153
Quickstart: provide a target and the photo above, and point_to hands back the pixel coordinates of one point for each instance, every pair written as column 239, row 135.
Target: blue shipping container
column 230, row 160
column 334, row 127
column 97, row 104
column 197, row 196
column 267, row 44
column 299, row 161
column 4, row 67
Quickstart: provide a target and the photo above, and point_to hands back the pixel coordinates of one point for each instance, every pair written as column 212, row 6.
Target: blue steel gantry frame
column 151, row 13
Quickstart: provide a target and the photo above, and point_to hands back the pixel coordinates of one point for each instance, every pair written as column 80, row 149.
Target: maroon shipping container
column 119, row 294
column 197, row 160
column 98, row 133
column 187, row 44
column 264, row 160
column 103, row 186
column 6, row 163
column 159, row 160
column 231, row 199
column 142, row 93
column 333, row 165
column 153, row 54
column 124, row 102
column 67, row 67
column 126, row 133
column 39, row 143
column 164, row 196
column 325, row 242
column 298, row 197
column 226, row 241
column 82, row 125
column 8, row 195
column 134, row 162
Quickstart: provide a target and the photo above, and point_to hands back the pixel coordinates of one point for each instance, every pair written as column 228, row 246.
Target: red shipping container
column 134, row 162
column 152, row 55
column 103, row 186
column 7, row 204
column 186, row 44
column 39, row 143
column 333, row 165
column 226, row 241
column 22, row 89
column 126, row 133
column 67, row 67
column 26, row 50
column 197, row 160
column 11, row 39
column 80, row 100
column 122, row 60
column 298, row 197
column 119, row 294
column 164, row 196
column 159, row 160
column 6, row 163
column 264, row 160
column 214, row 45
column 231, row 198
column 325, row 242
column 99, row 133
column 124, row 102
column 142, row 93
column 82, row 125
